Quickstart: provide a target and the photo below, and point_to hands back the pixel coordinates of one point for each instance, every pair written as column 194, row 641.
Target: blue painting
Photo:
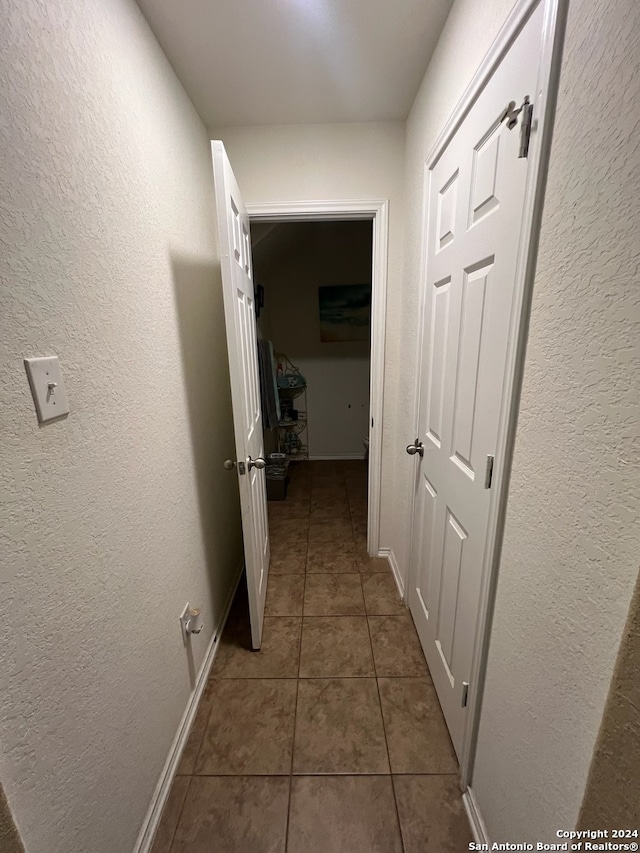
column 345, row 313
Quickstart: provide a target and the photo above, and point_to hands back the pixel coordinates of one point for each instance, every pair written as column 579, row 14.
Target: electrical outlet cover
column 184, row 617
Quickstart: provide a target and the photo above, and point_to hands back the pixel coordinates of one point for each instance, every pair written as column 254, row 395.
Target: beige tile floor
column 331, row 738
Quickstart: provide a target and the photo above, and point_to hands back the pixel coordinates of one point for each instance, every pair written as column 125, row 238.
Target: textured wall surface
column 9, row 839
column 611, row 796
column 314, row 255
column 338, row 161
column 112, row 519
column 570, row 556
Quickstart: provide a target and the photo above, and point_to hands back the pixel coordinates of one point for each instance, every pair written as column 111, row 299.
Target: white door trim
column 478, row 826
column 376, row 210
column 555, row 13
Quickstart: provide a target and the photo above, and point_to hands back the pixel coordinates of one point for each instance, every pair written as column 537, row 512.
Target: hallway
column 330, row 738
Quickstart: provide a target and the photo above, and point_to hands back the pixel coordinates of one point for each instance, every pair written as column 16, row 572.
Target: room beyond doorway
column 363, row 420
column 314, row 281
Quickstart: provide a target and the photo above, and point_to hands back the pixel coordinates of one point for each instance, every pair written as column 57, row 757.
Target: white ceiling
column 247, row 62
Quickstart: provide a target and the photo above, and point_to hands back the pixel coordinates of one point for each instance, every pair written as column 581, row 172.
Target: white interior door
column 475, row 215
column 240, row 320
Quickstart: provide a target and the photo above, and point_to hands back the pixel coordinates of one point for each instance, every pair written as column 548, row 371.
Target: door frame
column 376, row 210
column 545, row 98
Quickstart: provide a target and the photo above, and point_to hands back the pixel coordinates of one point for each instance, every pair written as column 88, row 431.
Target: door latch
column 510, row 115
column 488, row 474
column 465, row 693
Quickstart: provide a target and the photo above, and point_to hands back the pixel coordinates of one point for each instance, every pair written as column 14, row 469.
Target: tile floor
column 330, row 739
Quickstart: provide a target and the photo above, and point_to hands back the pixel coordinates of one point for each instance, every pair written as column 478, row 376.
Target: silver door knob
column 229, row 464
column 416, row 447
column 256, row 463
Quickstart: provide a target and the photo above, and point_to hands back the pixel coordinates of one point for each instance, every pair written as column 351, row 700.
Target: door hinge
column 465, row 693
column 488, row 474
column 511, row 114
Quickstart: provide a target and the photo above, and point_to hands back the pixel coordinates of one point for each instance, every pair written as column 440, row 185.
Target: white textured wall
column 337, row 161
column 571, row 546
column 572, row 541
column 337, row 374
column 106, row 529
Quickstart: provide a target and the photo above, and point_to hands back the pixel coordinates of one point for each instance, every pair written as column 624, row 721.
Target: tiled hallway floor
column 330, row 739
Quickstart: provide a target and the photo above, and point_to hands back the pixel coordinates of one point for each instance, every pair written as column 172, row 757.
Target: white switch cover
column 47, row 387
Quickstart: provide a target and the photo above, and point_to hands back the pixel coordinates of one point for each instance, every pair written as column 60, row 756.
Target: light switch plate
column 47, row 387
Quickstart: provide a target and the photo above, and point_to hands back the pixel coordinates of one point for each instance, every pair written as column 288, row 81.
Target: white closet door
column 475, row 214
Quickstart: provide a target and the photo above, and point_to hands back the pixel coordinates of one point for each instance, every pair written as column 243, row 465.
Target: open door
column 240, row 321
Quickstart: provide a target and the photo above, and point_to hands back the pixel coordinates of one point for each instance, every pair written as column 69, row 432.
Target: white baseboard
column 152, row 819
column 395, row 570
column 339, row 457
column 478, row 828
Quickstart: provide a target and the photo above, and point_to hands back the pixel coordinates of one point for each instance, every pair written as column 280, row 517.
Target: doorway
column 313, row 310
column 336, row 225
column 313, row 306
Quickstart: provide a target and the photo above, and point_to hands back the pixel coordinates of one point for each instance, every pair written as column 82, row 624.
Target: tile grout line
column 300, row 775
column 191, row 776
column 295, row 715
column 305, row 677
column 204, row 728
column 386, row 741
column 175, row 829
column 302, row 621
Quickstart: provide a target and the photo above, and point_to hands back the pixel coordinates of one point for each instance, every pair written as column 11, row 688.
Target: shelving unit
column 292, row 433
